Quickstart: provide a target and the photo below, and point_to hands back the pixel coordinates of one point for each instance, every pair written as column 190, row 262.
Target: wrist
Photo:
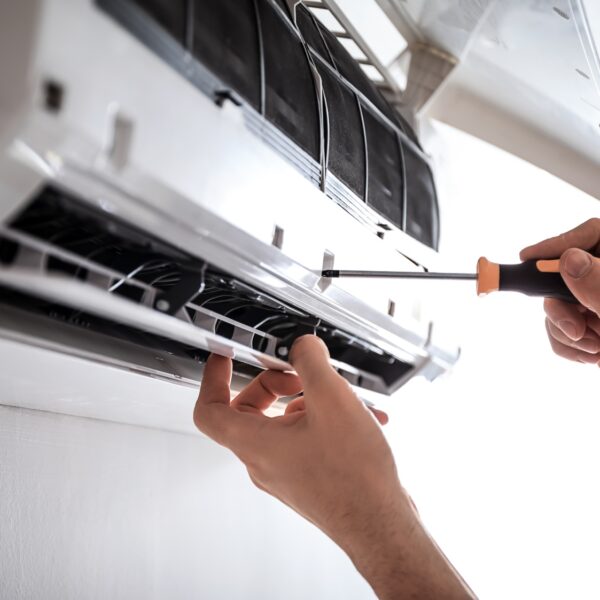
column 398, row 558
column 388, row 548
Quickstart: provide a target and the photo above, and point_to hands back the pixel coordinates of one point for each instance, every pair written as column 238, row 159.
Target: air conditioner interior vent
column 59, row 234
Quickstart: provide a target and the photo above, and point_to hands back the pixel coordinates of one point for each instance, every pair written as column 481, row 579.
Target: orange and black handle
column 533, row 278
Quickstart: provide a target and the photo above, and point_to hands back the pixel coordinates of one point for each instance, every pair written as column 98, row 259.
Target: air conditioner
column 175, row 175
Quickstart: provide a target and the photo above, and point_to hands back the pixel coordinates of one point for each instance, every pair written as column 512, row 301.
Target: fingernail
column 588, row 345
column 568, row 329
column 578, row 263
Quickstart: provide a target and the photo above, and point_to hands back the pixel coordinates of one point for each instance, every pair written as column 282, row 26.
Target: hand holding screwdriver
column 570, row 284
column 574, row 328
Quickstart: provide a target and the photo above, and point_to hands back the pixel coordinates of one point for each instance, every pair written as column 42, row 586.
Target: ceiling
column 528, row 77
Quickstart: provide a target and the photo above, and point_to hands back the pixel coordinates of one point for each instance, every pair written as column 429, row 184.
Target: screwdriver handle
column 532, row 277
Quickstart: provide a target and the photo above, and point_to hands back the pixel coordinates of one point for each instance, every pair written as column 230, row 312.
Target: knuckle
column 552, row 308
column 593, row 223
column 550, row 330
column 255, row 480
column 257, row 466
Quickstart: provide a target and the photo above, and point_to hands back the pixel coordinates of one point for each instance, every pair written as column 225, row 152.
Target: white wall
column 93, row 509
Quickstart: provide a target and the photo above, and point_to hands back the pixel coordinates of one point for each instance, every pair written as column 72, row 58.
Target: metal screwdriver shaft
column 533, row 278
column 334, row 273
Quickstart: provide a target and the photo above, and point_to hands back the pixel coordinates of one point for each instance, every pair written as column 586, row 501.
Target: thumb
column 310, row 358
column 581, row 272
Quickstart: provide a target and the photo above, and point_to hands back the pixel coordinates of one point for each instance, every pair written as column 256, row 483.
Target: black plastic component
column 226, row 40
column 345, row 350
column 171, row 15
column 131, row 292
column 62, row 266
column 174, row 298
column 422, row 216
column 386, row 192
column 125, row 333
column 346, row 142
column 8, row 251
column 291, row 96
column 527, row 279
column 66, row 222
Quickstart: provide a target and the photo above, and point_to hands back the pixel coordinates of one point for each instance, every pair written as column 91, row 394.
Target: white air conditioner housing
column 144, row 225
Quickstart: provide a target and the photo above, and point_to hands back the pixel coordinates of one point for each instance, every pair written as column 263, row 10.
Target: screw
column 163, row 305
column 282, row 351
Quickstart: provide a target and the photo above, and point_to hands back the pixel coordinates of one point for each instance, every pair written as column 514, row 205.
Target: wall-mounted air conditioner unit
column 175, row 175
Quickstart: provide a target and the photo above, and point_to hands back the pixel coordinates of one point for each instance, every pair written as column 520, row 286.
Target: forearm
column 329, row 460
column 400, row 560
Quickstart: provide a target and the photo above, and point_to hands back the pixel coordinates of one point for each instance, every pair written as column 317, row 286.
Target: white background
column 502, row 455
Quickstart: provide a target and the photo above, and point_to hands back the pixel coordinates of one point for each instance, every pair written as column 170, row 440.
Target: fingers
column 295, row 406
column 593, row 322
column 216, row 381
column 566, row 317
column 568, row 352
column 310, row 358
column 265, row 389
column 590, row 343
column 581, row 273
column 213, row 414
column 586, row 236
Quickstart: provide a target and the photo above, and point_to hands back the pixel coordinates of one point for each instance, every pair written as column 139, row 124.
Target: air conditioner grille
column 57, row 232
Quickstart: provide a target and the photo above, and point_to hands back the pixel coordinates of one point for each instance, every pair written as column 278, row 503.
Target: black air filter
column 291, row 97
column 169, row 14
column 346, row 140
column 352, row 71
column 252, row 49
column 422, row 218
column 386, row 193
column 284, row 7
column 226, row 40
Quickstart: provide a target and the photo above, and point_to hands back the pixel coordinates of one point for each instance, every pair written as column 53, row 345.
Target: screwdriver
column 532, row 277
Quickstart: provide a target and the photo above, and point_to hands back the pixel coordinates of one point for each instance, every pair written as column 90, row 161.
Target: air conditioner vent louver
column 58, row 233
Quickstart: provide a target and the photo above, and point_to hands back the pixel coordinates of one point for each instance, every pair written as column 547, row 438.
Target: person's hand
column 327, row 458
column 574, row 329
